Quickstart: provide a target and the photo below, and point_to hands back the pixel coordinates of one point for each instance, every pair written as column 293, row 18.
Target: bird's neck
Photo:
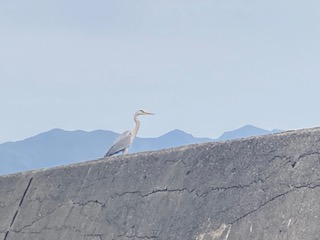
column 136, row 127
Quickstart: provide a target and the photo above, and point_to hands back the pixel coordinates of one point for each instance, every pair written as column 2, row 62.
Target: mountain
column 59, row 147
column 245, row 131
column 55, row 147
column 174, row 138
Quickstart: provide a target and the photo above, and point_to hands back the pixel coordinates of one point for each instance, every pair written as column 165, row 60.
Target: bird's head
column 142, row 112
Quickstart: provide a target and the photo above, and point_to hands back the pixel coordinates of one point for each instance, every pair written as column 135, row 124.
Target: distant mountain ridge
column 246, row 131
column 60, row 147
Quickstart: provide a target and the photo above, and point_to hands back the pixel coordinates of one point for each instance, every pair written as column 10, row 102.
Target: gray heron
column 125, row 140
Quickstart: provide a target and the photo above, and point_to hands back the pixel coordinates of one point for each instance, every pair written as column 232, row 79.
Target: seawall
column 264, row 187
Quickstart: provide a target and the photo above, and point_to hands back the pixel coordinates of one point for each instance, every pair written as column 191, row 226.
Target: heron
column 124, row 141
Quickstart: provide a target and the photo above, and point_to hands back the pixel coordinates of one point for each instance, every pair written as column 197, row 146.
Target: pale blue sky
column 204, row 67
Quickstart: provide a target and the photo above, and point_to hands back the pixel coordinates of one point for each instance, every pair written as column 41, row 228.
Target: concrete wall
column 257, row 188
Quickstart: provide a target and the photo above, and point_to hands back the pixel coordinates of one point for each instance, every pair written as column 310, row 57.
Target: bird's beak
column 148, row 113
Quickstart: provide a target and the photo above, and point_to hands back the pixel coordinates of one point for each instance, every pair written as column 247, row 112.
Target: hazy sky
column 204, row 67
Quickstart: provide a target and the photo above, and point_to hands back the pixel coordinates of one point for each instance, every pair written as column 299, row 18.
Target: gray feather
column 121, row 144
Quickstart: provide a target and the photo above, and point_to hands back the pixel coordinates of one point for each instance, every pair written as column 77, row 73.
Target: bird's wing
column 122, row 142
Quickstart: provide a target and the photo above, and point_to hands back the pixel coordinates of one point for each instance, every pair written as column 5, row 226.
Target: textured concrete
column 257, row 188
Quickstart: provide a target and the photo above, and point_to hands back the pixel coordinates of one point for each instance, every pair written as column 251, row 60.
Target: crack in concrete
column 38, row 219
column 102, row 205
column 293, row 162
column 233, row 187
column 309, row 186
column 308, row 154
column 46, row 228
column 165, row 190
column 142, row 237
column 221, row 188
column 138, row 237
column 224, row 189
column 192, row 190
column 16, row 213
column 260, row 206
column 56, row 208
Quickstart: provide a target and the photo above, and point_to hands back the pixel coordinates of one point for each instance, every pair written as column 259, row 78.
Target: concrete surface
column 256, row 188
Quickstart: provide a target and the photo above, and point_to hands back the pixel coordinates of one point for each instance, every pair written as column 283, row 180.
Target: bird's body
column 125, row 140
column 121, row 144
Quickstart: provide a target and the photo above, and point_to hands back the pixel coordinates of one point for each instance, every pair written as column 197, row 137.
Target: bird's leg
column 125, row 151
